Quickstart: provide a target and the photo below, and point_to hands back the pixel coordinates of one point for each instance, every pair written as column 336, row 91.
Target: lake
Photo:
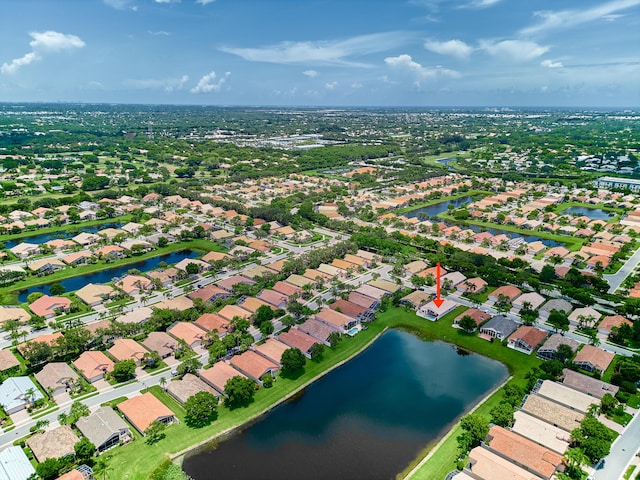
column 61, row 234
column 438, row 208
column 365, row 420
column 592, row 213
column 528, row 238
column 105, row 276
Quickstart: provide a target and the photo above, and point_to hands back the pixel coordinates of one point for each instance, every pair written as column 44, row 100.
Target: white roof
column 12, row 392
column 14, row 464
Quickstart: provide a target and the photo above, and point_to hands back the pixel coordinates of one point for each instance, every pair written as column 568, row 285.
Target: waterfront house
column 218, row 375
column 499, row 327
column 593, row 359
column 104, row 428
column 141, row 411
column 253, row 365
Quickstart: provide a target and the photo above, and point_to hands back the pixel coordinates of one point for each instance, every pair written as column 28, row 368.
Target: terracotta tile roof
column 189, row 332
column 253, row 365
column 127, row 348
column 93, row 363
column 143, row 410
column 523, row 451
column 295, row 338
column 489, row 466
column 594, row 356
column 272, row 349
column 213, row 321
column 219, row 374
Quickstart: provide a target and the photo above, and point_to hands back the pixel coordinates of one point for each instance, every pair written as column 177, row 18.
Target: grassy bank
column 573, row 244
column 136, row 460
column 8, row 295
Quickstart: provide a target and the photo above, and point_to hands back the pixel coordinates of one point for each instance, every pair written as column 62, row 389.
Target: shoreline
column 179, row 456
column 435, row 448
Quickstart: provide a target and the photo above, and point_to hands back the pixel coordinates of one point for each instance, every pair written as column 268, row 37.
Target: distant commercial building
column 615, row 182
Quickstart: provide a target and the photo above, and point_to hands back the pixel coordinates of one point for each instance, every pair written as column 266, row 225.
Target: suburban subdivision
column 169, row 298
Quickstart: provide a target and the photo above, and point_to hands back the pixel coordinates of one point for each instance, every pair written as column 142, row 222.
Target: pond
column 61, row 234
column 592, row 213
column 104, row 276
column 438, row 208
column 365, row 420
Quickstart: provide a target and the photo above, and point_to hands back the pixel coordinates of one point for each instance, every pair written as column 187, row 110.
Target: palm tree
column 29, row 394
column 163, row 382
column 101, row 467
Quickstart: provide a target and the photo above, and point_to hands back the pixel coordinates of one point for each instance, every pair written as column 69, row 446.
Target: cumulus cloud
column 205, row 2
column 208, row 84
column 551, row 64
column 332, row 52
column 159, row 33
column 167, row 84
column 310, row 73
column 42, row 44
column 454, row 48
column 404, row 63
column 518, row 50
column 119, row 4
column 564, row 19
column 330, row 85
column 167, row 1
column 482, row 3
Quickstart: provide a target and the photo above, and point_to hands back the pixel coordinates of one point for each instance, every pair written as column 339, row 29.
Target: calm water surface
column 592, row 213
column 104, row 276
column 365, row 420
column 438, row 208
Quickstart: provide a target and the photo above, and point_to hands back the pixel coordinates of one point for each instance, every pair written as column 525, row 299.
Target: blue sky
column 323, row 52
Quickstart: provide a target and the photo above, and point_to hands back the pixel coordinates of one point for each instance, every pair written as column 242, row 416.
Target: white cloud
column 159, row 32
column 455, row 48
column 563, row 19
column 207, row 83
column 43, row 43
column 406, row 64
column 310, row 73
column 118, row 4
column 551, row 64
column 167, row 84
column 519, row 50
column 205, row 2
column 330, row 85
column 482, row 3
column 167, row 1
column 356, row 85
column 333, row 52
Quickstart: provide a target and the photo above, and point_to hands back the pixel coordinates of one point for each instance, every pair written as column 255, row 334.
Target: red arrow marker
column 438, row 301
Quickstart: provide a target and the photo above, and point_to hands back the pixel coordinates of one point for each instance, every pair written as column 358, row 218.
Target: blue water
column 105, row 276
column 592, row 213
column 365, row 420
column 438, row 208
column 528, row 238
column 446, row 161
column 62, row 235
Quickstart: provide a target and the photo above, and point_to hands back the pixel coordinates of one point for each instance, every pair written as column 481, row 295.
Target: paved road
column 622, row 452
column 616, row 279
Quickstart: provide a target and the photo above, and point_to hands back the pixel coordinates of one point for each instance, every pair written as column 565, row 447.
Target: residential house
column 478, row 316
column 134, row 284
column 45, row 266
column 612, row 321
column 218, row 375
column 136, row 316
column 13, row 312
column 526, row 339
column 452, row 280
column 317, row 329
column 188, row 386
column 585, row 316
column 104, row 428
column 486, row 465
column 112, row 252
column 191, row 333
column 253, row 365
column 433, row 312
column 272, row 350
column 353, row 310
column 593, row 359
column 591, row 386
column 182, row 265
column 384, row 285
column 230, row 311
column 210, row 293
column 228, row 283
column 371, row 292
column 48, row 307
column 286, row 289
column 499, row 327
column 15, row 465
column 56, row 378
column 336, row 319
column 549, row 349
column 522, row 451
column 552, row 412
column 8, row 360
column 566, row 395
column 252, row 304
column 93, row 364
column 541, row 432
column 534, row 300
column 17, row 393
column 215, row 257
column 24, row 250
column 166, row 277
column 127, row 349
column 472, row 285
column 94, row 294
column 296, row 338
column 55, row 443
column 273, row 298
column 59, row 245
column 77, row 258
column 179, row 303
column 160, row 342
column 86, row 239
column 212, row 321
column 507, row 292
column 141, row 411
column 416, row 299
column 554, row 304
column 364, row 300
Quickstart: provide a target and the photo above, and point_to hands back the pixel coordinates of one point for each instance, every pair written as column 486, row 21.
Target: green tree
column 200, row 409
column 239, row 391
column 467, row 324
column 57, row 289
column 502, row 414
column 575, row 459
column 84, row 450
column 608, row 404
column 558, row 320
column 32, row 297
column 190, row 365
column 316, row 351
column 292, row 360
column 593, row 438
column 48, row 470
column 78, row 410
column 334, row 339
column 564, row 353
column 475, row 429
column 192, row 269
column 155, row 432
column 124, row 370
